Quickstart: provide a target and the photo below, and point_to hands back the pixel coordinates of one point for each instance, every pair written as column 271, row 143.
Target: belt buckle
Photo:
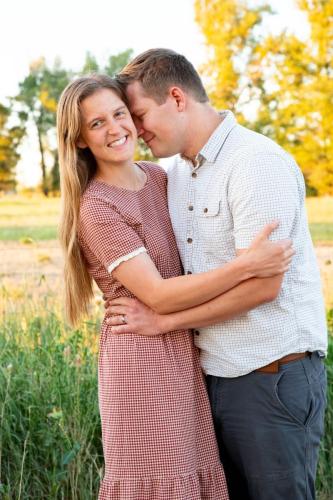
column 273, row 367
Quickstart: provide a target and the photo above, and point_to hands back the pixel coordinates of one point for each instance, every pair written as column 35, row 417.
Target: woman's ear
column 80, row 143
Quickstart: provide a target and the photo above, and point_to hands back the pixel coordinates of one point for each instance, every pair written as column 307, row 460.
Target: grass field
column 36, row 217
column 50, row 446
column 320, row 214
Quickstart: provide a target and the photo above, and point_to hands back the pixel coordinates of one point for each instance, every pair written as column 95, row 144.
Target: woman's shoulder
column 153, row 168
column 94, row 201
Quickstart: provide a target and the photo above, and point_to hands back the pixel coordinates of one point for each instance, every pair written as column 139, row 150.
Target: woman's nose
column 112, row 128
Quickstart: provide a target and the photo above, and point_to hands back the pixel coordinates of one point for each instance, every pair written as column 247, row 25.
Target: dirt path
column 17, row 259
column 44, row 259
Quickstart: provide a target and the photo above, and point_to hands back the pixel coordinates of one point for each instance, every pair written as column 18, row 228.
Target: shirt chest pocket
column 214, row 226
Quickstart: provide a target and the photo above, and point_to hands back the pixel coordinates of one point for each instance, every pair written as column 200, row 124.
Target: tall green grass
column 36, row 233
column 325, row 467
column 50, row 437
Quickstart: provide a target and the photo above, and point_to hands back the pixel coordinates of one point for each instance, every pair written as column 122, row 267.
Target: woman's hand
column 139, row 318
column 266, row 258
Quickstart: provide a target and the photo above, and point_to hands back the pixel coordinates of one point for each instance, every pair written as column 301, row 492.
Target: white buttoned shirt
column 241, row 181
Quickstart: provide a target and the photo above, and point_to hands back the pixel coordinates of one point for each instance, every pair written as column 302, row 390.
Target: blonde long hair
column 77, row 167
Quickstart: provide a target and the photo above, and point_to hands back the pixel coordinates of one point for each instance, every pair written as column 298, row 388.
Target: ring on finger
column 123, row 319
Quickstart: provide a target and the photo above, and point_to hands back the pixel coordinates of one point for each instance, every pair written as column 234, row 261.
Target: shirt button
column 189, row 272
column 197, row 332
column 194, row 174
column 190, row 207
column 189, row 240
column 205, row 210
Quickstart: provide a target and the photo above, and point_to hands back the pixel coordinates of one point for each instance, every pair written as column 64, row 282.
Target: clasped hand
column 139, row 318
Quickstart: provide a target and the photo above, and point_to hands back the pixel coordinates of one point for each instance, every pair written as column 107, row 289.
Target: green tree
column 116, row 62
column 38, row 97
column 10, row 139
column 90, row 64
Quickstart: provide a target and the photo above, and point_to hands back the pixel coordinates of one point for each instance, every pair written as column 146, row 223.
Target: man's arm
column 241, row 299
column 144, row 321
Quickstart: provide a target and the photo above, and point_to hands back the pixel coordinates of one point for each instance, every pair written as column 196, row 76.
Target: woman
column 158, row 437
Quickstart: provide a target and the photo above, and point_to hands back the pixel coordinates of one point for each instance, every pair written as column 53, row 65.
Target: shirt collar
column 215, row 142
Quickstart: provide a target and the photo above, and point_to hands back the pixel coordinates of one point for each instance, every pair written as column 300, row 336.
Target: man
column 261, row 343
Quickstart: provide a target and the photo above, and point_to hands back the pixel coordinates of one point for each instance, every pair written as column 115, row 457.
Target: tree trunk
column 43, row 165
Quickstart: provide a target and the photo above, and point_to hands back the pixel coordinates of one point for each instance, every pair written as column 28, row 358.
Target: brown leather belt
column 275, row 365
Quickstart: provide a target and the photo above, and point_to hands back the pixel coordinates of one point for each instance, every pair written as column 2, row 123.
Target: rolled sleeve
column 108, row 235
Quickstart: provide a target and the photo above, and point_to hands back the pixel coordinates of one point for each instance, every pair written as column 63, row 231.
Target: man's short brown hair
column 159, row 69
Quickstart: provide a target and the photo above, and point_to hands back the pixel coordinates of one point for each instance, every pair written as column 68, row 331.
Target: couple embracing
column 211, row 375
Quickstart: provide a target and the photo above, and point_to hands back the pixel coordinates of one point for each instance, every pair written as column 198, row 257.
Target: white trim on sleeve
column 124, row 258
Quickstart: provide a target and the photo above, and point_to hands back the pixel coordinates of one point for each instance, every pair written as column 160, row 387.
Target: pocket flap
column 211, row 208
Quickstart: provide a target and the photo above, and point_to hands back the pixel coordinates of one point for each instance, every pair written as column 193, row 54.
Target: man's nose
column 138, row 125
column 140, row 131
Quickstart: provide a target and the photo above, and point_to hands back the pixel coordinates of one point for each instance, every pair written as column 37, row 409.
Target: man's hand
column 139, row 318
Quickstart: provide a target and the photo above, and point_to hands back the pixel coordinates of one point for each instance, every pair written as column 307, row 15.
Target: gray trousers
column 268, row 428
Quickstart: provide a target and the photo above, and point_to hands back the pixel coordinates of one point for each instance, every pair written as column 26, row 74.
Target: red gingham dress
column 157, row 431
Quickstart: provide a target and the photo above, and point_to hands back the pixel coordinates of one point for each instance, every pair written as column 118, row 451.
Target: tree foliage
column 10, row 138
column 290, row 80
column 38, row 96
column 297, row 100
column 231, row 37
column 116, row 62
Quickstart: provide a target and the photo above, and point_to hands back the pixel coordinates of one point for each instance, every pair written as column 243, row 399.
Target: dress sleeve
column 107, row 234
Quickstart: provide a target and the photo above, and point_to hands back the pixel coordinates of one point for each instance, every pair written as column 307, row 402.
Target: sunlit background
column 270, row 62
column 67, row 30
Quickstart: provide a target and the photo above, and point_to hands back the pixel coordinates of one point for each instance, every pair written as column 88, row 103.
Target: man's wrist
column 165, row 323
column 244, row 266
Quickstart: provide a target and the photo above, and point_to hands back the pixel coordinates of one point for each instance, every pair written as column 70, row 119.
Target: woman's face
column 107, row 128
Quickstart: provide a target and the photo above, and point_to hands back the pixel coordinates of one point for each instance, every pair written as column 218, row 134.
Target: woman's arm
column 140, row 276
column 142, row 320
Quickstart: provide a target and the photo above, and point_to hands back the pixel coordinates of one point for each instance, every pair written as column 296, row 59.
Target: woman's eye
column 96, row 123
column 119, row 114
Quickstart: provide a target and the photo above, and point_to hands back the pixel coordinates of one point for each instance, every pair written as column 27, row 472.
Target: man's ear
column 179, row 96
column 80, row 143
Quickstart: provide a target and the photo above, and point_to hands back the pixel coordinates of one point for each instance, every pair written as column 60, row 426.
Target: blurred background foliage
column 279, row 85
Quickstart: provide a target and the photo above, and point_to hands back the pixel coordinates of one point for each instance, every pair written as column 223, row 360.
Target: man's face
column 159, row 125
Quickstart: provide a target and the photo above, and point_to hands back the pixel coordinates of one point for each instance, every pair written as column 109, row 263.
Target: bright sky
column 69, row 28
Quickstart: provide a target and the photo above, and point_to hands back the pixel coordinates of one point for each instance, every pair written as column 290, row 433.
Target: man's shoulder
column 249, row 144
column 174, row 166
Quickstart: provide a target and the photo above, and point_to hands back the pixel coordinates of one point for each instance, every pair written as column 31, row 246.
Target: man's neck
column 204, row 121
